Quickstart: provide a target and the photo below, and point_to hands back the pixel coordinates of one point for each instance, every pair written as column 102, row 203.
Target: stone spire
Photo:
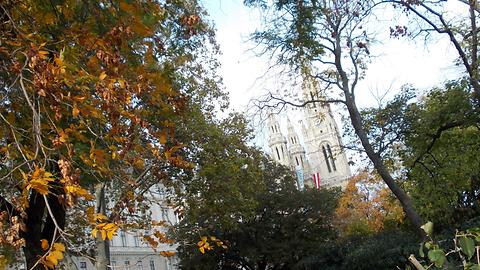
column 296, row 150
column 277, row 142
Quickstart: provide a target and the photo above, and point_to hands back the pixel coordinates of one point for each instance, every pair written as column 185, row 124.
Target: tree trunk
column 379, row 165
column 35, row 212
column 102, row 246
column 40, row 224
column 357, row 123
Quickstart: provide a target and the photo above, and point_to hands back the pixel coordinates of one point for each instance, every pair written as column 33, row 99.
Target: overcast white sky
column 396, row 62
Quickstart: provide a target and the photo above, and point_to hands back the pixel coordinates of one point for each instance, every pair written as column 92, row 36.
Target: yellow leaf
column 59, row 247
column 167, row 253
column 44, row 244
column 54, row 257
column 3, row 262
column 42, row 54
column 127, row 7
column 163, row 138
column 90, row 214
column 102, row 76
column 121, row 83
column 94, row 232
column 202, row 250
column 104, row 234
column 48, row 265
column 110, row 235
column 75, row 110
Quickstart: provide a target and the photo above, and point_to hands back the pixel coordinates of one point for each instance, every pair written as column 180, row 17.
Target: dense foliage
column 287, row 225
column 90, row 94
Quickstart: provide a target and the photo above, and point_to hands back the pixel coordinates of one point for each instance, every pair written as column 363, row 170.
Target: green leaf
column 437, row 256
column 420, row 251
column 474, row 267
column 428, row 228
column 467, row 245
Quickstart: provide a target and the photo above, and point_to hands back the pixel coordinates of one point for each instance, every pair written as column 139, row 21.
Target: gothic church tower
column 277, row 142
column 321, row 153
column 323, row 142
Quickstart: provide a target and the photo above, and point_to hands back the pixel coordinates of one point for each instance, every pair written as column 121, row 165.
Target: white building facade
column 321, row 153
column 128, row 250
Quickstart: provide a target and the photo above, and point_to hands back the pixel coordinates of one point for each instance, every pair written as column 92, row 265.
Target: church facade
column 319, row 159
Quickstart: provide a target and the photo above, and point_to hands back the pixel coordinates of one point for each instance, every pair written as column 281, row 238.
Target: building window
column 140, row 265
column 325, row 155
column 167, row 264
column 332, row 160
column 152, row 265
column 83, row 265
column 164, row 216
column 123, row 237
column 136, row 240
column 283, row 153
column 278, row 153
column 127, row 265
column 296, row 159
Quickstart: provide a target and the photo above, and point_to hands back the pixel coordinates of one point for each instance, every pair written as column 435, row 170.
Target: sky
column 394, row 62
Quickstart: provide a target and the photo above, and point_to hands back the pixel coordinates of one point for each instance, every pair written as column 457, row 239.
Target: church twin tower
column 321, row 161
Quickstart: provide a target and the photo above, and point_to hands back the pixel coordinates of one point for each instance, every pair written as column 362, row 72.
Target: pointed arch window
column 296, row 159
column 278, row 153
column 283, row 153
column 325, row 155
column 313, row 98
column 332, row 160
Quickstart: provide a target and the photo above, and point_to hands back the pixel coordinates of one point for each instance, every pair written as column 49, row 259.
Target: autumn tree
column 367, row 206
column 327, row 42
column 88, row 93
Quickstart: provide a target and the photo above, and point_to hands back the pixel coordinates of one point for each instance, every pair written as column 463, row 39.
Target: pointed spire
column 292, row 134
column 272, row 125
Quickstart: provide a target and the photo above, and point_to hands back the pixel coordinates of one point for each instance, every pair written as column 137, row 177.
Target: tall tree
column 456, row 19
column 287, row 226
column 89, row 91
column 331, row 34
column 440, row 155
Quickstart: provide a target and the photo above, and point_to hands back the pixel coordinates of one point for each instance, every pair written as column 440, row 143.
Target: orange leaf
column 44, row 244
column 75, row 110
column 102, row 76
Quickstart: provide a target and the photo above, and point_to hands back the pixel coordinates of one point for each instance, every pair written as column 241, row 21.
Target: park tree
column 440, row 155
column 89, row 96
column 287, row 225
column 367, row 206
column 220, row 189
column 430, row 141
column 455, row 19
column 327, row 42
